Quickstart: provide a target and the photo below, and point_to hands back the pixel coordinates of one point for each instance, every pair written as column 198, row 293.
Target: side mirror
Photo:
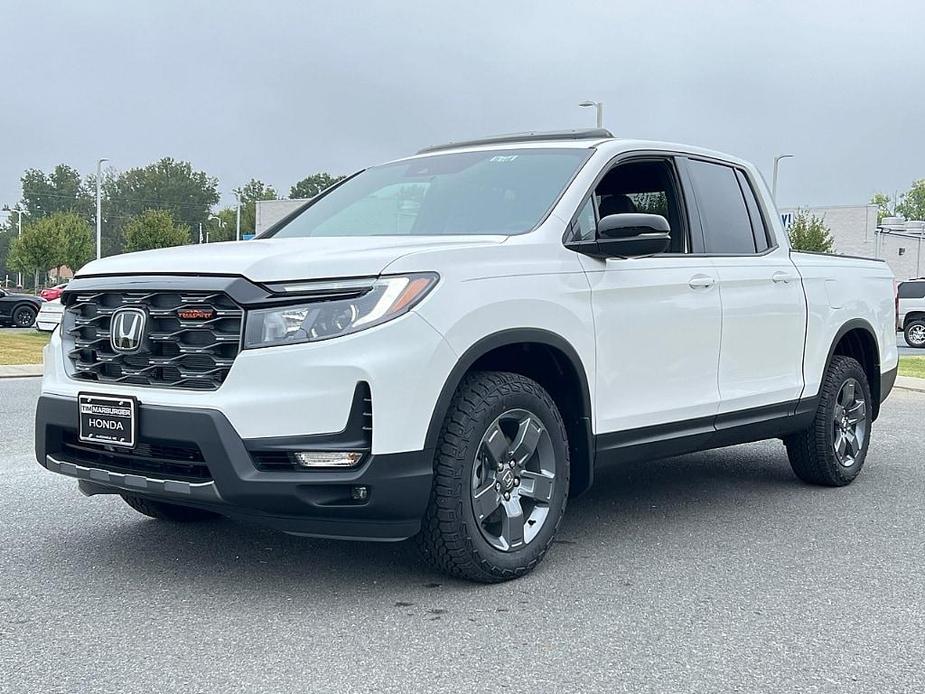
column 627, row 235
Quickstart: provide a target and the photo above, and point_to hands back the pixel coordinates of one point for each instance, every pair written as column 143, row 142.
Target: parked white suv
column 449, row 345
column 910, row 311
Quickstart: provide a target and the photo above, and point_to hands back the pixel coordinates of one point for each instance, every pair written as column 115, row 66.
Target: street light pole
column 599, row 107
column 237, row 236
column 221, row 224
column 18, row 210
column 774, row 173
column 99, row 208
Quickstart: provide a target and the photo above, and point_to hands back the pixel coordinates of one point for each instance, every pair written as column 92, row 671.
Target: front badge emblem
column 127, row 329
column 196, row 313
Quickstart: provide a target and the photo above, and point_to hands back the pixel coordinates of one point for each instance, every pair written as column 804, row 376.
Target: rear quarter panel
column 840, row 289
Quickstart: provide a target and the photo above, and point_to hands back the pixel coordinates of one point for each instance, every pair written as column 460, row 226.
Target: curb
column 916, row 385
column 21, row 371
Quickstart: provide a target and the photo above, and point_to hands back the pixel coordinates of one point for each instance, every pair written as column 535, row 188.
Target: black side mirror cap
column 627, row 235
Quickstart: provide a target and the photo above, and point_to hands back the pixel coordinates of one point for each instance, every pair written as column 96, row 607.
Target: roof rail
column 532, row 136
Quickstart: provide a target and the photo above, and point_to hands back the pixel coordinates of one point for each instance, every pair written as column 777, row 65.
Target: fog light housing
column 359, row 493
column 339, row 459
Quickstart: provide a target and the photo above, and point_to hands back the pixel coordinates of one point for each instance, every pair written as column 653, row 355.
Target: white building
column 269, row 212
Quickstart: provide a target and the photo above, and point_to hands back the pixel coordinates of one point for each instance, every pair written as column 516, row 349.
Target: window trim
column 759, row 225
column 671, row 158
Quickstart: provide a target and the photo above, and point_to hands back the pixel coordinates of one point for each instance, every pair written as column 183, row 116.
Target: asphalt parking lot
column 709, row 572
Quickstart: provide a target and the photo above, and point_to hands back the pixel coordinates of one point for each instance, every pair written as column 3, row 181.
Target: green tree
column 38, row 249
column 884, row 206
column 249, row 194
column 78, row 246
column 168, row 185
column 912, row 203
column 154, row 229
column 310, row 186
column 61, row 190
column 809, row 233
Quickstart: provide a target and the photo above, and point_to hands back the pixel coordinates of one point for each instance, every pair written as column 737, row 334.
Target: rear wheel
column 831, row 452
column 162, row 510
column 501, row 476
column 915, row 333
column 24, row 316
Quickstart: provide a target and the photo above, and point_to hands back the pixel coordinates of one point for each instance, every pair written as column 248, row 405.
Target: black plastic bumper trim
column 887, row 381
column 317, row 503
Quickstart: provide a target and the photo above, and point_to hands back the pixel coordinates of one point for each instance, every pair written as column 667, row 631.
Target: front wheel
column 24, row 316
column 915, row 333
column 831, row 452
column 501, row 477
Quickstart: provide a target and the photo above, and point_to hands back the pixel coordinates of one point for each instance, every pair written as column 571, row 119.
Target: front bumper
column 312, row 502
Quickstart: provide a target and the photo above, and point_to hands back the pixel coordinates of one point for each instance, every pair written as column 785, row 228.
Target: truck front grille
column 190, row 338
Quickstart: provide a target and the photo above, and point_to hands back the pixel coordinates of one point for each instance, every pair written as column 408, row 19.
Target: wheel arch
column 549, row 359
column 858, row 339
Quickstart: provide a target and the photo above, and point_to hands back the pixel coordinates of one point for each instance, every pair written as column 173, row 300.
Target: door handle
column 782, row 278
column 701, row 282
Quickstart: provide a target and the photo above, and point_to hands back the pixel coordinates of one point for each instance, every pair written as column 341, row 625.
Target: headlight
column 334, row 308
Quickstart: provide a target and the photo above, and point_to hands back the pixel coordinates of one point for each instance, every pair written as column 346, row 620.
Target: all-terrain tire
column 165, row 511
column 812, row 451
column 450, row 538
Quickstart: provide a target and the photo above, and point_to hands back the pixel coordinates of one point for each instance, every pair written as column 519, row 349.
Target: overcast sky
column 278, row 90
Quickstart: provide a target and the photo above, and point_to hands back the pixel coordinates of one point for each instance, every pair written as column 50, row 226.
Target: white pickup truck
column 449, row 345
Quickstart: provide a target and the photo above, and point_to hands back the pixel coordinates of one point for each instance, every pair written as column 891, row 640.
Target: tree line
column 163, row 204
column 154, row 206
column 909, row 205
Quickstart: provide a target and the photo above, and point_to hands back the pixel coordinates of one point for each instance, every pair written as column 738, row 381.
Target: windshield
column 487, row 192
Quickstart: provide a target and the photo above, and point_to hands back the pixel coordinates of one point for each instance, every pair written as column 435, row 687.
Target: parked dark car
column 19, row 310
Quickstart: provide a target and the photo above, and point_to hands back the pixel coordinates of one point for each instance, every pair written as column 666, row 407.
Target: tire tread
column 445, row 540
column 808, row 450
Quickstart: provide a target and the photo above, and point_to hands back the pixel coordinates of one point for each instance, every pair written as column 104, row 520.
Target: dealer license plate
column 108, row 419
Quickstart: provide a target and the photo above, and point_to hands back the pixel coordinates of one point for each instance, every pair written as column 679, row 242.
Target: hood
column 29, row 297
column 269, row 260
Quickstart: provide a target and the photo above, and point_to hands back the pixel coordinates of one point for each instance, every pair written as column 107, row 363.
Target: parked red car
column 52, row 293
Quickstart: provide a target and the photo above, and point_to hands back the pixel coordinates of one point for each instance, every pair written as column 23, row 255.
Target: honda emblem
column 127, row 330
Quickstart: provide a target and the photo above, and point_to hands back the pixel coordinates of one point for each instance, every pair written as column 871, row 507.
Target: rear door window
column 727, row 227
